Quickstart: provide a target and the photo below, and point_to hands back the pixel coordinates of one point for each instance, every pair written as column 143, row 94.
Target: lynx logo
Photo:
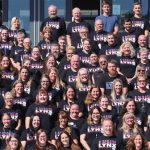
column 107, row 144
column 53, row 24
column 109, row 85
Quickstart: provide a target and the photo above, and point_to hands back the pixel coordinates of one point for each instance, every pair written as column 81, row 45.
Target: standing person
column 92, row 128
column 58, row 24
column 75, row 26
column 110, row 21
column 138, row 21
column 107, row 137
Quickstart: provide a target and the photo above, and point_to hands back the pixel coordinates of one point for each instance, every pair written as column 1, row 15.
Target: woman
column 127, row 61
column 24, row 76
column 107, row 110
column 46, row 85
column 130, row 106
column 136, row 142
column 129, row 127
column 91, row 129
column 69, row 99
column 12, row 111
column 118, row 98
column 54, row 77
column 92, row 98
column 8, row 73
column 45, row 43
column 15, row 28
column 6, row 130
column 28, row 136
column 49, row 63
column 46, row 112
column 42, row 142
column 21, row 99
column 83, row 84
column 14, row 143
column 65, row 142
column 62, row 126
column 140, row 71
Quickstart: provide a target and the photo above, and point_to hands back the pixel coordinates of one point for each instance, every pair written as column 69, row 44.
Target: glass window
column 144, row 7
column 61, row 5
column 19, row 9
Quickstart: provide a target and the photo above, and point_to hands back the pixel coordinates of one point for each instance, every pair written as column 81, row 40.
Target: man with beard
column 106, row 79
column 58, row 24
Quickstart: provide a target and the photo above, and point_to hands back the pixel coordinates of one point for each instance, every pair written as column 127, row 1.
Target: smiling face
column 24, row 74
column 96, row 115
column 126, row 50
column 107, row 127
column 65, row 139
column 70, row 93
column 138, row 141
column 95, row 93
column 130, row 107
column 104, row 102
column 137, row 9
column 42, row 139
column 118, row 87
column 129, row 120
column 19, row 88
column 13, row 143
column 5, row 62
column 6, row 120
column 83, row 75
column 43, row 98
column 36, row 122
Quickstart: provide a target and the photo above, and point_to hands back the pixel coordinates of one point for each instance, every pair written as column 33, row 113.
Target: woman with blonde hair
column 127, row 60
column 128, row 128
column 118, row 98
column 83, row 83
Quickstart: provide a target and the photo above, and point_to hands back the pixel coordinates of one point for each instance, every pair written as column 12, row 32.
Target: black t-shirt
column 14, row 113
column 15, row 50
column 127, row 65
column 105, row 143
column 22, row 55
column 131, row 36
column 91, row 131
column 58, row 130
column 47, row 114
column 73, row 29
column 99, row 37
column 76, row 125
column 141, row 23
column 105, row 81
column 58, row 24
column 6, row 48
column 142, row 100
column 5, row 134
column 45, row 48
column 69, row 77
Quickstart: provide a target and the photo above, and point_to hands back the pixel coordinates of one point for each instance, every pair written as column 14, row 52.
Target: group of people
column 81, row 87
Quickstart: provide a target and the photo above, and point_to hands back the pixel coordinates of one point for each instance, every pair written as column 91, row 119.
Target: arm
column 19, row 124
column 69, row 42
column 27, row 122
column 116, row 30
column 23, row 144
column 83, row 142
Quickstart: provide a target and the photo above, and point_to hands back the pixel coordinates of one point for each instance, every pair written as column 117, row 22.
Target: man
column 110, row 22
column 138, row 21
column 129, row 33
column 58, row 24
column 75, row 26
column 106, row 79
column 108, row 140
column 69, row 76
column 99, row 35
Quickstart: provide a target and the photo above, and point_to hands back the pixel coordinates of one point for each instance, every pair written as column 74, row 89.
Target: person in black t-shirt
column 45, row 43
column 130, row 106
column 6, row 130
column 141, row 95
column 92, row 98
column 92, row 128
column 42, row 141
column 74, row 27
column 62, row 126
column 138, row 21
column 46, row 112
column 108, row 140
column 129, row 127
column 69, row 76
column 137, row 142
column 130, row 34
column 127, row 60
column 112, row 48
column 15, row 113
column 99, row 35
column 28, row 136
column 65, row 62
column 58, row 24
column 106, row 79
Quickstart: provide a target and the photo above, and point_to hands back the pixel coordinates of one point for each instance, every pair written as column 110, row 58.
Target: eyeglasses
column 140, row 70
